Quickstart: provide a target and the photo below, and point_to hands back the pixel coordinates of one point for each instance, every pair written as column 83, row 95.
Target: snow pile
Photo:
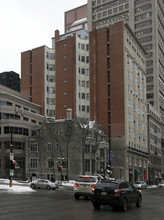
column 16, row 186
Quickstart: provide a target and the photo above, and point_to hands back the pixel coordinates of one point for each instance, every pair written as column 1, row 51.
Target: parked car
column 44, row 184
column 84, row 184
column 161, row 185
column 116, row 193
column 140, row 185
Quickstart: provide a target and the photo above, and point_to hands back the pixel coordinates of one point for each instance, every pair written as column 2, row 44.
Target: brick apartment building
column 72, row 73
column 38, row 78
column 118, row 97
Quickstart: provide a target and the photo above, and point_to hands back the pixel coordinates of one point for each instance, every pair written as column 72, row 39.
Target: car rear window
column 86, row 179
column 109, row 184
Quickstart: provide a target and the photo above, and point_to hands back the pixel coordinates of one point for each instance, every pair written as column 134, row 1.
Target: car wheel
column 48, row 187
column 139, row 202
column 125, row 205
column 33, row 186
column 77, row 197
column 96, row 205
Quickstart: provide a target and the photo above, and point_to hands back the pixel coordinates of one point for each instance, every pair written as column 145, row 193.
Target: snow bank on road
column 16, row 188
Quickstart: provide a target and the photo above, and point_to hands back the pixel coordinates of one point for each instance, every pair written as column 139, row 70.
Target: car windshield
column 86, row 179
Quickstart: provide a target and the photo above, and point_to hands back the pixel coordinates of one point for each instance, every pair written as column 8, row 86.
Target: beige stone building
column 19, row 118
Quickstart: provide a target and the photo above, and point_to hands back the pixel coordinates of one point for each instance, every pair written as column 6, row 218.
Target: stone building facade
column 19, row 118
column 80, row 147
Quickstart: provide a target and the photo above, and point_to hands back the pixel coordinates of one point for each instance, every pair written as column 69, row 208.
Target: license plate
column 104, row 193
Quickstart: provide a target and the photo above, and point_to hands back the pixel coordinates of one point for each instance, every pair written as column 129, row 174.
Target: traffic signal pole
column 11, row 160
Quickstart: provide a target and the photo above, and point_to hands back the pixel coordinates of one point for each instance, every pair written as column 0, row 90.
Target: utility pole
column 12, row 162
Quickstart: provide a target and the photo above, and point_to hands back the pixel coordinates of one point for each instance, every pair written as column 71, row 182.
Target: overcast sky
column 27, row 24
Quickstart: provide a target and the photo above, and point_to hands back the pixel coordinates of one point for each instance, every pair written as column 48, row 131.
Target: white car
column 140, row 185
column 84, row 185
column 44, row 184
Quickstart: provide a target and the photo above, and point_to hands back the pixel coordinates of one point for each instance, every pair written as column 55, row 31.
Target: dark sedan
column 116, row 193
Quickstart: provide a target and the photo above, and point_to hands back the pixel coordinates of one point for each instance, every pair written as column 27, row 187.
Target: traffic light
column 108, row 169
column 59, row 168
column 12, row 164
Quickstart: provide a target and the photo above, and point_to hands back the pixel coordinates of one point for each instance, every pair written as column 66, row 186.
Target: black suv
column 116, row 192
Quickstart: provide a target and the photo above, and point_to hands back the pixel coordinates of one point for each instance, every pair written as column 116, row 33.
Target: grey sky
column 27, row 24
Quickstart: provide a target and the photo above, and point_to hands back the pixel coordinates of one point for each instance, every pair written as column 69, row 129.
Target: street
column 60, row 204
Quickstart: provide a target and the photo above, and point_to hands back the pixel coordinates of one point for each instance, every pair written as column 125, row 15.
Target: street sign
column 11, row 172
column 11, row 156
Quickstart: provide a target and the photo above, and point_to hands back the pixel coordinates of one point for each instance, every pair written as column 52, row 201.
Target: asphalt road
column 61, row 205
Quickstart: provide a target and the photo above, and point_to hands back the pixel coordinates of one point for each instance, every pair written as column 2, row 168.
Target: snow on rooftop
column 79, row 21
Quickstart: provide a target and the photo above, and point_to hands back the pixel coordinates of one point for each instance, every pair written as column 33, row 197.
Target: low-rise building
column 79, row 147
column 19, row 118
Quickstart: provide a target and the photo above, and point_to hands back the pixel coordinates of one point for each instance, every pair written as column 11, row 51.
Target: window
column 34, row 147
column 83, row 108
column 149, row 79
column 87, row 148
column 115, row 10
column 87, row 165
column 34, row 163
column 83, row 71
column 50, row 101
column 110, row 12
column 121, row 8
column 50, row 78
column 49, row 147
column 50, row 164
column 25, row 119
column 83, row 46
column 102, row 153
column 104, row 13
column 50, row 67
column 87, row 96
column 51, row 90
column 126, row 6
column 50, row 56
column 82, row 83
column 82, row 58
column 99, row 15
column 83, row 95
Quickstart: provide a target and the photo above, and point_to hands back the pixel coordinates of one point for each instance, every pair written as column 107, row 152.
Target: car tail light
column 76, row 185
column 93, row 185
column 93, row 190
column 117, row 191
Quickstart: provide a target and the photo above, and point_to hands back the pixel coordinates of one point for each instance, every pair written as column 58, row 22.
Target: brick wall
column 65, row 76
